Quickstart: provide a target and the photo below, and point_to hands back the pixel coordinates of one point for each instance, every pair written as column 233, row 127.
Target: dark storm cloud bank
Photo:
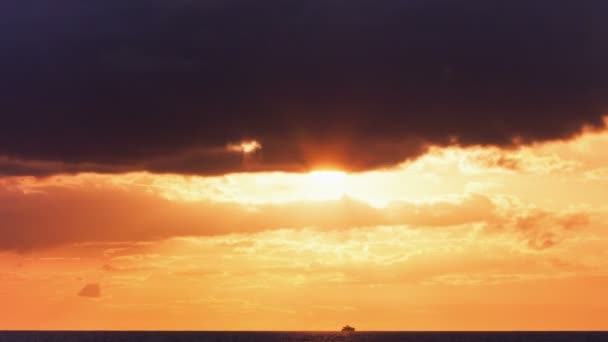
column 112, row 86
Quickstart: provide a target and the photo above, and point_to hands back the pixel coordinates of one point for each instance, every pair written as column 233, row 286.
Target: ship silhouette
column 348, row 329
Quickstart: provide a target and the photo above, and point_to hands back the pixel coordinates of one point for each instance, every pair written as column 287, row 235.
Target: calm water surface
column 40, row 336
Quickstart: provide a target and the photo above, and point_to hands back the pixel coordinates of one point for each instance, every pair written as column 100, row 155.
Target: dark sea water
column 31, row 336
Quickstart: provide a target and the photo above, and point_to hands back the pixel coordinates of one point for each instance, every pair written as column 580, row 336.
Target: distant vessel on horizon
column 348, row 329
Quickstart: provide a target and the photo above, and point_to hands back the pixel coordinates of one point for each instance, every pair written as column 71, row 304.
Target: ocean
column 118, row 336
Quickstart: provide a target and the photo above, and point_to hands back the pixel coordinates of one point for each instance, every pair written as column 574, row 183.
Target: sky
column 289, row 165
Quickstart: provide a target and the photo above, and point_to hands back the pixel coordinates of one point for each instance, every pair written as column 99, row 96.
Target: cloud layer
column 63, row 215
column 165, row 86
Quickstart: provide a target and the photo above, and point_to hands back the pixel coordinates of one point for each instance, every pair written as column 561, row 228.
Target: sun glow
column 433, row 177
column 322, row 185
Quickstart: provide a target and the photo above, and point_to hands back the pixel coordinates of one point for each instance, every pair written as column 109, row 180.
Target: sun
column 325, row 185
column 327, row 177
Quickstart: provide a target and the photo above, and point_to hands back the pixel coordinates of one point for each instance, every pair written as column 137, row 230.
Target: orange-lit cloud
column 477, row 231
column 90, row 291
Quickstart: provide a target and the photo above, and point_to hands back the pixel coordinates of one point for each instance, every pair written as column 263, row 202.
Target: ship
column 347, row 329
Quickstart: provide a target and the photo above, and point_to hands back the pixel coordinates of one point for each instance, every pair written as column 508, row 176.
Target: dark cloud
column 90, row 291
column 165, row 85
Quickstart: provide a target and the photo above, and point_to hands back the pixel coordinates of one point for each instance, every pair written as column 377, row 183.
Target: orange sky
column 460, row 239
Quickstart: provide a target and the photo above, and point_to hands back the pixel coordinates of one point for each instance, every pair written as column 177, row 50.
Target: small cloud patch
column 90, row 291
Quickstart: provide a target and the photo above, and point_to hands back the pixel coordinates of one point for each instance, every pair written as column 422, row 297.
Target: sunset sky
column 301, row 165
